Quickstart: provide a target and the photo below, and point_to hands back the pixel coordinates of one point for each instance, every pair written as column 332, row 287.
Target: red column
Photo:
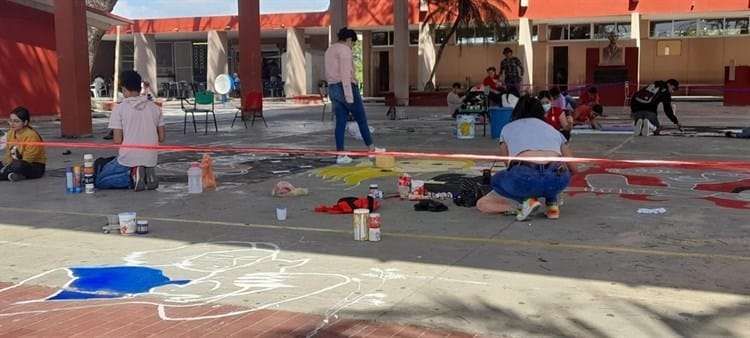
column 250, row 52
column 73, row 68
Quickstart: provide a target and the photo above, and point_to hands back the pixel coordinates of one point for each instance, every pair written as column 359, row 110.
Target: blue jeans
column 521, row 182
column 342, row 109
column 113, row 176
column 573, row 104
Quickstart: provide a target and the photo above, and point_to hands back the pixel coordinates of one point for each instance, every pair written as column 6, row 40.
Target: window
column 569, row 32
column 736, row 26
column 383, row 39
column 602, row 30
column 414, row 37
column 660, row 29
column 164, row 61
column 699, row 27
column 558, row 32
column 477, row 35
column 441, row 35
column 710, row 27
column 685, row 28
column 580, row 32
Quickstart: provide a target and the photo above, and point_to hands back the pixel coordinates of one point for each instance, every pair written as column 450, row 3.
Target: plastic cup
column 127, row 222
column 281, row 213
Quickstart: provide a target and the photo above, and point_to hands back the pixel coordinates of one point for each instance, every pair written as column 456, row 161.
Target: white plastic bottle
column 195, row 179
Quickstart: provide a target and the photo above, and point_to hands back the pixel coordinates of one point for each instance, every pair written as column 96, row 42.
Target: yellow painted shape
column 364, row 170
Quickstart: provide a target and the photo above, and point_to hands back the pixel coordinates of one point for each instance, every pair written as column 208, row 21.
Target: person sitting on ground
column 136, row 121
column 493, row 86
column 582, row 118
column 454, row 100
column 554, row 115
column 559, row 100
column 525, row 181
column 586, row 102
column 645, row 102
column 22, row 161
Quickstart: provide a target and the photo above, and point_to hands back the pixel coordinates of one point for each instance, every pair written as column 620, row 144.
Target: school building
column 559, row 42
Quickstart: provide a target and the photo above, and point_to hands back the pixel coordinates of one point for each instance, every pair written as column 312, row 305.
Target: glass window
column 441, row 35
column 413, row 37
column 485, row 35
column 660, row 29
column 508, row 33
column 601, row 30
column 380, row 38
column 164, row 59
column 535, row 33
column 686, row 27
column 558, row 32
column 711, row 27
column 623, row 30
column 465, row 35
column 736, row 26
column 580, row 32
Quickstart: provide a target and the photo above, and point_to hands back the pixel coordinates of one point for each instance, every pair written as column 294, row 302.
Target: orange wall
column 28, row 61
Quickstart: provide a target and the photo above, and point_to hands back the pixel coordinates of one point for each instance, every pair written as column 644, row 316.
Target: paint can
column 373, row 192
column 374, row 227
column 127, row 222
column 141, row 227
column 404, row 185
column 361, row 228
column 465, row 127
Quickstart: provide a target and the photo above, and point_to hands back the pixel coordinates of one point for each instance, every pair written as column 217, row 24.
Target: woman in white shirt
column 525, row 181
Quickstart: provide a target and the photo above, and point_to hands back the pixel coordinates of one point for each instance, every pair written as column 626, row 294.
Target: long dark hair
column 528, row 107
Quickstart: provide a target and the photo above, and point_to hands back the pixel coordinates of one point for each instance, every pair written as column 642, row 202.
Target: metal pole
column 116, row 81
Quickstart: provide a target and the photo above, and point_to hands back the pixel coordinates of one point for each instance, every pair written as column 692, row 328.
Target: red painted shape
column 724, row 187
column 28, row 61
column 73, row 58
column 728, row 203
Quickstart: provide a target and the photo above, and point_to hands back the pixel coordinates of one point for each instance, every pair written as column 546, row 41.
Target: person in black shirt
column 644, row 103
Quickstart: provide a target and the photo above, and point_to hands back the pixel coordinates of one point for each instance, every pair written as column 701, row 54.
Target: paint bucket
column 127, row 222
column 374, row 227
column 361, row 227
column 141, row 227
column 384, row 162
column 499, row 117
column 465, row 127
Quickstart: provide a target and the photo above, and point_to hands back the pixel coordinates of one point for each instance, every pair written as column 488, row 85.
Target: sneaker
column 138, row 174
column 528, row 209
column 343, row 159
column 553, row 211
column 15, row 177
column 646, row 128
column 638, row 127
column 729, row 134
column 152, row 181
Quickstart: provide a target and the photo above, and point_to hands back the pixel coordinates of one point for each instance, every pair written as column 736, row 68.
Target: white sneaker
column 528, row 209
column 343, row 159
column 638, row 127
column 648, row 128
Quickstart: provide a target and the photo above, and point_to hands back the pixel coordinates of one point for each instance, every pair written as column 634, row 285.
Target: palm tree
column 95, row 34
column 456, row 14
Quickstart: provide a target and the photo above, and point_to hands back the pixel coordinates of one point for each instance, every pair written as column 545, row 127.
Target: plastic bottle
column 77, row 179
column 195, row 184
column 69, row 180
column 88, row 173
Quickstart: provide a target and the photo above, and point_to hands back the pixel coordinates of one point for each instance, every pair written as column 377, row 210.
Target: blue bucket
column 499, row 117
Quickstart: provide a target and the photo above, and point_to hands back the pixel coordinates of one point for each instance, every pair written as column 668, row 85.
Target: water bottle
column 195, row 184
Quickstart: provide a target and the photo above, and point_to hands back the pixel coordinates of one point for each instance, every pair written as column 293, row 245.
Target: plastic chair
column 203, row 102
column 626, row 104
column 323, row 89
column 254, row 105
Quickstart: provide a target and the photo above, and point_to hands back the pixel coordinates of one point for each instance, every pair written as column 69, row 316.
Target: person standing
column 22, row 161
column 344, row 92
column 645, row 102
column 512, row 68
column 135, row 121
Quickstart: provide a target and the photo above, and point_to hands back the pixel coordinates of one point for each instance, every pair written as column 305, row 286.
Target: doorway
column 560, row 67
column 383, row 72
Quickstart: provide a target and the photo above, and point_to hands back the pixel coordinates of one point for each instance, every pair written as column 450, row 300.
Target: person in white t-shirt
column 135, row 121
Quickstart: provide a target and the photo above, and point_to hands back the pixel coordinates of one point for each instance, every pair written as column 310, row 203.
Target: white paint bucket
column 361, row 228
column 465, row 127
column 127, row 222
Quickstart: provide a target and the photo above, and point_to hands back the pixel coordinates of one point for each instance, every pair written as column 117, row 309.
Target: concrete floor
column 602, row 269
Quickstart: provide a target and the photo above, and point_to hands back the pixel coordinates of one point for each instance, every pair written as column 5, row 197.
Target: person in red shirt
column 554, row 116
column 588, row 108
column 492, row 81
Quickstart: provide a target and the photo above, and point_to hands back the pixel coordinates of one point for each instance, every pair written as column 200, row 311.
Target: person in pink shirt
column 344, row 92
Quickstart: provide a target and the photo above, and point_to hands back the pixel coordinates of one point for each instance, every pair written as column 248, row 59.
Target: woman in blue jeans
column 527, row 180
column 343, row 91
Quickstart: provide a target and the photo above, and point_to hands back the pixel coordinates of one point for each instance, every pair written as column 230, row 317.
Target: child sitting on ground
column 588, row 116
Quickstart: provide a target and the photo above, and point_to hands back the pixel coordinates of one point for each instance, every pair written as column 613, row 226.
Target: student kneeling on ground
column 135, row 121
column 22, row 161
column 525, row 181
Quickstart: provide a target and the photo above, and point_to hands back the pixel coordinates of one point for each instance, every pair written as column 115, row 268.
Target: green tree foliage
column 95, row 34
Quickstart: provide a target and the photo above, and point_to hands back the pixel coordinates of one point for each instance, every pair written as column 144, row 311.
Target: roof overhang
column 94, row 17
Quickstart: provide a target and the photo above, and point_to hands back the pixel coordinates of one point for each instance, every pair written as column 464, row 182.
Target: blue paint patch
column 95, row 282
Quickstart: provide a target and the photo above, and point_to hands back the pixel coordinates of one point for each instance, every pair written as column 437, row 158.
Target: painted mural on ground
column 364, row 169
column 179, row 280
column 725, row 187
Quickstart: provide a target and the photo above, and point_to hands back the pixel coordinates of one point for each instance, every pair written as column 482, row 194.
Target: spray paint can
column 374, row 227
column 77, row 179
column 69, row 181
column 88, row 173
column 361, row 229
